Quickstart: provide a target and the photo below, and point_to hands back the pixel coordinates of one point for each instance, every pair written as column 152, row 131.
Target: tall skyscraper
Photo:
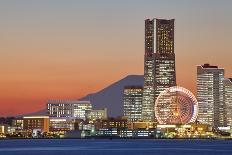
column 148, row 88
column 210, row 95
column 159, row 62
column 165, row 72
column 228, row 100
column 132, row 99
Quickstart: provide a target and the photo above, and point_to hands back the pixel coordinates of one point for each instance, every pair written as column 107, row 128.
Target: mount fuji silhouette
column 110, row 97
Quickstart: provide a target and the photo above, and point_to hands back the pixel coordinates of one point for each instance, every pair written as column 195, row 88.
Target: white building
column 228, row 100
column 210, row 95
column 68, row 108
column 132, row 102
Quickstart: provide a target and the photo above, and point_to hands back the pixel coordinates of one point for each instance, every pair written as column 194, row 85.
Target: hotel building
column 228, row 100
column 210, row 95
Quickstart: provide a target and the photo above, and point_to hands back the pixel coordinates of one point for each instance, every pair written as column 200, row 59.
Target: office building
column 132, row 100
column 148, row 87
column 17, row 123
column 68, row 108
column 210, row 95
column 228, row 100
column 81, row 109
column 40, row 123
column 159, row 63
column 61, row 125
column 119, row 123
column 97, row 114
column 164, row 57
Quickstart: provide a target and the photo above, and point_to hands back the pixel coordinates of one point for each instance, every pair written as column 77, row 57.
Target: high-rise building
column 132, row 99
column 164, row 57
column 228, row 100
column 68, row 108
column 210, row 95
column 159, row 63
column 148, row 87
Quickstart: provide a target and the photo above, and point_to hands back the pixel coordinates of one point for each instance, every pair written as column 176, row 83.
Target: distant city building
column 228, row 100
column 165, row 72
column 97, row 114
column 69, row 108
column 159, row 63
column 17, row 123
column 3, row 129
column 119, row 123
column 40, row 123
column 132, row 100
column 126, row 133
column 140, row 125
column 81, row 109
column 61, row 124
column 210, row 95
column 148, row 88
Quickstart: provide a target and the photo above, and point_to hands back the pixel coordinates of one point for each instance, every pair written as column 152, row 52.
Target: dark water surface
column 114, row 147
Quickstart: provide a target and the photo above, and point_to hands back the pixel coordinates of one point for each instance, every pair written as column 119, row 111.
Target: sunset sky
column 53, row 49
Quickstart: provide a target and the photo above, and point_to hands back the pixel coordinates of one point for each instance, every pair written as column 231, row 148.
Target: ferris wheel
column 176, row 105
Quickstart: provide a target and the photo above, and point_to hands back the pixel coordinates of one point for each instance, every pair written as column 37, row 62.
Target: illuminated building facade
column 164, row 57
column 61, row 124
column 18, row 123
column 68, row 108
column 210, row 95
column 119, row 123
column 132, row 100
column 159, row 63
column 97, row 114
column 3, row 129
column 148, row 87
column 36, row 122
column 228, row 100
column 81, row 109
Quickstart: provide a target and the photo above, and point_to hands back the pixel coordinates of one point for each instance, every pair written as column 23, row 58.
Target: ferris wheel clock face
column 176, row 105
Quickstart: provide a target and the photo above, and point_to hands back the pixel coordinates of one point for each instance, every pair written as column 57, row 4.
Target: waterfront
column 113, row 147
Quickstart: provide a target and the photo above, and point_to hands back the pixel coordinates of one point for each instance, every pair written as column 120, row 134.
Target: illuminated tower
column 210, row 95
column 228, row 100
column 159, row 62
column 148, row 88
column 164, row 57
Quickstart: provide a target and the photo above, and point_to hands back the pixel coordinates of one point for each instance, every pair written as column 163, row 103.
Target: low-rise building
column 18, row 123
column 3, row 128
column 141, row 125
column 40, row 123
column 69, row 108
column 119, row 123
column 61, row 124
column 97, row 114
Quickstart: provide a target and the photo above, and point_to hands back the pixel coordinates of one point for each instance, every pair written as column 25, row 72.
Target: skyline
column 45, row 46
